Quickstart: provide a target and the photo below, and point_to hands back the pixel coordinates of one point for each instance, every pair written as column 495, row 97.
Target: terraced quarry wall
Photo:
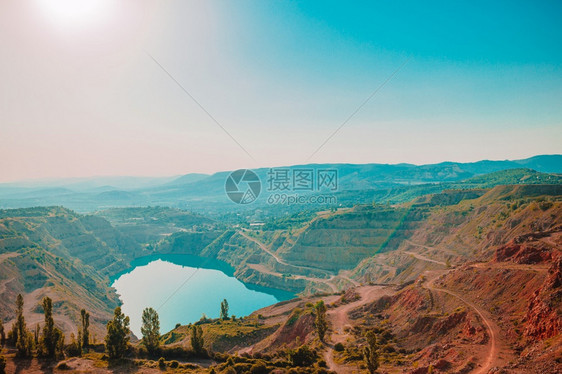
column 341, row 241
column 54, row 252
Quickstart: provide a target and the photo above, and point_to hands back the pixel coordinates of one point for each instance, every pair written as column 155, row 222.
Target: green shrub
column 388, row 348
column 294, row 316
column 242, row 368
column 302, row 356
column 258, row 368
column 339, row 347
column 162, row 362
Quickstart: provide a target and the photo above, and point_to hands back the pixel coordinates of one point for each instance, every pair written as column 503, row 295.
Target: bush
column 2, row 364
column 242, row 367
column 258, row 368
column 174, row 364
column 220, row 357
column 294, row 316
column 162, row 362
column 388, row 348
column 302, row 356
column 339, row 347
column 74, row 349
column 321, row 371
column 176, row 352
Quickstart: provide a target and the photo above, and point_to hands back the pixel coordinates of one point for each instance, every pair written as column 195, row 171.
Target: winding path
column 423, row 258
column 264, row 248
column 277, row 258
column 5, row 256
column 493, row 329
column 263, row 269
column 326, row 281
column 339, row 320
column 4, row 283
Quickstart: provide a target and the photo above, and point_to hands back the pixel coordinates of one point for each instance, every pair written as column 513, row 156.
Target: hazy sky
column 79, row 96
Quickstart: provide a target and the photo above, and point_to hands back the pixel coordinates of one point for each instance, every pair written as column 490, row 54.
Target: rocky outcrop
column 529, row 249
column 524, row 253
column 544, row 313
column 296, row 330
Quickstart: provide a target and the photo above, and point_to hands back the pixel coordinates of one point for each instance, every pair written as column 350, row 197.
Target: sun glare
column 75, row 13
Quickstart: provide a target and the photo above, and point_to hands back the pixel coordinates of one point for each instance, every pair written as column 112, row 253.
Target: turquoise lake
column 182, row 288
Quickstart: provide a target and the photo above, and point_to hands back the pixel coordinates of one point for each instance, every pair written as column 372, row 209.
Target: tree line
column 49, row 342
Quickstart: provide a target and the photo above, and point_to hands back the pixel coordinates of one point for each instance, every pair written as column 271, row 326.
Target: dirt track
column 493, row 329
column 339, row 320
column 265, row 270
column 5, row 256
column 423, row 258
column 327, row 281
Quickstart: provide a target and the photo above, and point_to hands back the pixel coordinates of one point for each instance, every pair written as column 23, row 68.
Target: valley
column 459, row 281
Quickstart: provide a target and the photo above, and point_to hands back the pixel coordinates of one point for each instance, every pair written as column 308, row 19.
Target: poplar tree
column 150, row 330
column 20, row 336
column 370, row 355
column 2, row 334
column 85, row 338
column 52, row 340
column 224, row 310
column 320, row 322
column 197, row 338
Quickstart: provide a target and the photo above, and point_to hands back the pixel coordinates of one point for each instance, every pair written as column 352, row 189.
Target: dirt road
column 327, row 281
column 423, row 258
column 493, row 329
column 339, row 320
column 264, row 248
column 5, row 256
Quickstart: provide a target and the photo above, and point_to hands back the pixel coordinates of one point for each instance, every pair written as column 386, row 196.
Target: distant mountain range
column 202, row 192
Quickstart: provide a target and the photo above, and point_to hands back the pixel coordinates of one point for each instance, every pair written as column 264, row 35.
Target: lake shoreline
column 183, row 288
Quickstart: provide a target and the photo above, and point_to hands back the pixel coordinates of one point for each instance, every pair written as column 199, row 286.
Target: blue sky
column 483, row 81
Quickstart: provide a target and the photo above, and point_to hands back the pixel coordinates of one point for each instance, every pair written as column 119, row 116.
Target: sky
column 92, row 87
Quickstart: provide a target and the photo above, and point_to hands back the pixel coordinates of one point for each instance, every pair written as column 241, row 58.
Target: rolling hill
column 205, row 193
